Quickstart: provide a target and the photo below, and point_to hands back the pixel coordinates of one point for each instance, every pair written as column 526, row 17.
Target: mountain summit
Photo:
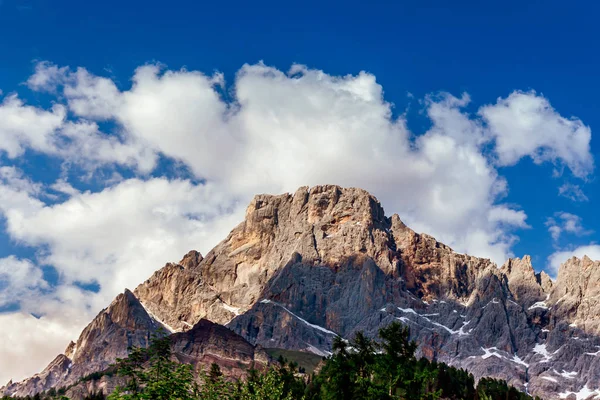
column 326, row 261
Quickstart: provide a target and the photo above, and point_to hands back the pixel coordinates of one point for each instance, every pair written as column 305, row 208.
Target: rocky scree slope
column 325, row 261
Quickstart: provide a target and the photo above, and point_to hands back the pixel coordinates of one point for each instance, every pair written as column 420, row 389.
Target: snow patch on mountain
column 317, row 327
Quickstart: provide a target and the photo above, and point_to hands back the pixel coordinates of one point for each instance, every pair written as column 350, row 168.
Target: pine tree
column 396, row 366
column 215, row 373
column 161, row 379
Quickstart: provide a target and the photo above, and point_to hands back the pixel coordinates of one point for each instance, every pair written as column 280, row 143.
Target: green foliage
column 492, row 389
column 152, row 374
column 388, row 369
column 95, row 396
column 269, row 386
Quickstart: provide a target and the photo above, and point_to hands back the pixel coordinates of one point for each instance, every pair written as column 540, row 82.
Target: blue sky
column 120, row 177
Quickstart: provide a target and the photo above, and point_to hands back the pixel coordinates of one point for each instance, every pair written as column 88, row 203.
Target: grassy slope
column 308, row 361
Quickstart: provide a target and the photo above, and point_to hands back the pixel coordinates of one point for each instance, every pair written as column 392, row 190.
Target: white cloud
column 84, row 144
column 62, row 186
column 525, row 124
column 445, row 111
column 508, row 216
column 92, row 96
column 17, row 193
column 47, row 77
column 554, row 230
column 19, row 279
column 307, row 127
column 29, row 343
column 559, row 257
column 565, row 222
column 124, row 232
column 48, row 131
column 23, row 126
column 572, row 192
column 15, row 179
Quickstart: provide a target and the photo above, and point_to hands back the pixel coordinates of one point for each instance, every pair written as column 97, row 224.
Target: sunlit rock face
column 326, row 261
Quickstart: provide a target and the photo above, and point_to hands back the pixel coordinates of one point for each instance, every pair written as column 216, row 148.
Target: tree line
column 359, row 369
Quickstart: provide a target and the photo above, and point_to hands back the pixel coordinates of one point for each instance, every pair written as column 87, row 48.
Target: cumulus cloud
column 62, row 186
column 284, row 130
column 23, row 126
column 565, row 222
column 525, row 124
column 14, row 179
column 47, row 77
column 281, row 130
column 18, row 194
column 509, row 216
column 572, row 192
column 134, row 226
column 18, row 279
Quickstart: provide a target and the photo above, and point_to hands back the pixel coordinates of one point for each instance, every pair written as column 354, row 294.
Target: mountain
column 326, row 261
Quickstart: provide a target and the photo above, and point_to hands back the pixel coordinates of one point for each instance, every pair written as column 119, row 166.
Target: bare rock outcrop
column 208, row 343
column 325, row 224
column 576, row 294
column 526, row 286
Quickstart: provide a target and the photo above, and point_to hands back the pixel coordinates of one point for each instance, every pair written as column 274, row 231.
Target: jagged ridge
column 301, row 268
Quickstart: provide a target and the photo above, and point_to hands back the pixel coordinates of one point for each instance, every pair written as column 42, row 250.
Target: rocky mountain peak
column 524, row 283
column 576, row 293
column 324, row 225
column 519, row 266
column 123, row 324
column 324, row 206
column 191, row 259
column 127, row 311
column 578, row 271
column 326, row 261
column 70, row 350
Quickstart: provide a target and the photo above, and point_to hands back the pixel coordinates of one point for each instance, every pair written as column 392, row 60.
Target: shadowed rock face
column 302, row 268
column 208, row 343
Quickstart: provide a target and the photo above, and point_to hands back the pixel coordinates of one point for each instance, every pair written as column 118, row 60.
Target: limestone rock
column 325, row 261
column 576, row 294
column 325, row 224
column 525, row 285
column 208, row 343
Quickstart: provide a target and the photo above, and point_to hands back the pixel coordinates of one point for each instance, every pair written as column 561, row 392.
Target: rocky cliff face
column 325, row 227
column 208, row 343
column 326, row 261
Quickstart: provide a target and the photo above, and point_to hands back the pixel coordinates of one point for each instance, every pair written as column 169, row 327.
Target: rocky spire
column 525, row 285
column 576, row 293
